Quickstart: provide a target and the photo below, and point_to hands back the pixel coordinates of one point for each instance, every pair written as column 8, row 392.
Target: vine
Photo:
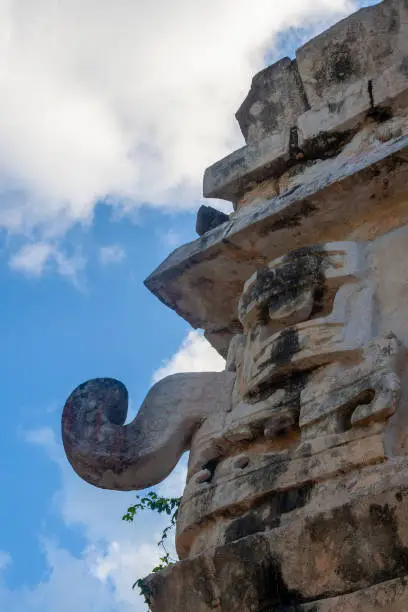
column 161, row 505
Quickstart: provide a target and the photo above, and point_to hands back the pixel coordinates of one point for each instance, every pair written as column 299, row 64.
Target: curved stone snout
column 110, row 455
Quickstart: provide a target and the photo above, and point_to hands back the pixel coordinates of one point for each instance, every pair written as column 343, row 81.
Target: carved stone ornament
column 297, row 489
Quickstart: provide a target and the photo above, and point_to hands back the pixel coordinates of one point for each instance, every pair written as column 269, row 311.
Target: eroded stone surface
column 391, row 596
column 110, row 455
column 307, row 109
column 360, row 195
column 350, row 547
column 332, row 61
column 275, row 100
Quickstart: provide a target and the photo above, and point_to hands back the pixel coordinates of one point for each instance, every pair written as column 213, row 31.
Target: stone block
column 230, row 177
column 338, row 552
column 274, row 102
column 388, row 596
column 357, row 48
column 209, row 218
column 237, row 487
column 390, row 88
column 347, row 109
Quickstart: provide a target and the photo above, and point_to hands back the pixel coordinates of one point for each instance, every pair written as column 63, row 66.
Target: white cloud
column 112, row 253
column 194, row 355
column 129, row 100
column 5, row 560
column 116, row 552
column 70, row 266
column 170, row 238
column 32, row 258
column 71, row 583
column 174, row 484
column 35, row 258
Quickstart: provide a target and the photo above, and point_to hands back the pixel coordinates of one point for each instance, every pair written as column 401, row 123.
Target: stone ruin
column 297, row 489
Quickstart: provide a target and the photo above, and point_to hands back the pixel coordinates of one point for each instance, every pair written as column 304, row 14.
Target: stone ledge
column 245, row 489
column 275, row 100
column 389, row 596
column 361, row 46
column 319, row 132
column 230, row 177
column 307, row 108
column 333, row 553
column 329, row 206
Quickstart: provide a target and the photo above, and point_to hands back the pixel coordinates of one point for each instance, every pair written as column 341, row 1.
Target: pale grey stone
column 359, row 47
column 228, row 178
column 274, row 102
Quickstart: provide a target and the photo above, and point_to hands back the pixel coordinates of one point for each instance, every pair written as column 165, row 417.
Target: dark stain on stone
column 285, row 346
column 339, row 60
column 370, row 92
column 403, row 67
column 294, row 149
column 342, row 67
column 370, row 548
column 327, row 144
column 244, row 526
column 300, row 270
column 300, row 85
column 292, row 383
column 394, row 24
column 203, row 587
column 290, row 219
column 269, row 116
column 380, row 114
column 260, row 585
column 278, row 503
column 336, row 107
column 318, row 299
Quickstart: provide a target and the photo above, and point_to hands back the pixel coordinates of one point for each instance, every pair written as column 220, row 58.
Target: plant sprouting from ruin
column 162, row 505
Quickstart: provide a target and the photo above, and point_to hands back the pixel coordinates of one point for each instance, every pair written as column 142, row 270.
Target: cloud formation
column 33, row 258
column 126, row 101
column 112, row 253
column 100, row 577
column 194, row 355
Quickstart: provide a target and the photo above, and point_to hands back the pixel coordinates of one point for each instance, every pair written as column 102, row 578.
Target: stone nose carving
column 111, row 455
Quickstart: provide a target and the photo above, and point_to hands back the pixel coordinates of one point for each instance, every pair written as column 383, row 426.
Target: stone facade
column 297, row 490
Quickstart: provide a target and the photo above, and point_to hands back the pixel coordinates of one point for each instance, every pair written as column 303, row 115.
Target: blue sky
column 101, row 161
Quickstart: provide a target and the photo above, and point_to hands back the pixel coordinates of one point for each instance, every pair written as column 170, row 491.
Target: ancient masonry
column 297, row 488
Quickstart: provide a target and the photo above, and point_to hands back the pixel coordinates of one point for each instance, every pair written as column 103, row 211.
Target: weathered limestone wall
column 321, row 130
column 297, row 493
column 307, row 109
column 297, row 489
